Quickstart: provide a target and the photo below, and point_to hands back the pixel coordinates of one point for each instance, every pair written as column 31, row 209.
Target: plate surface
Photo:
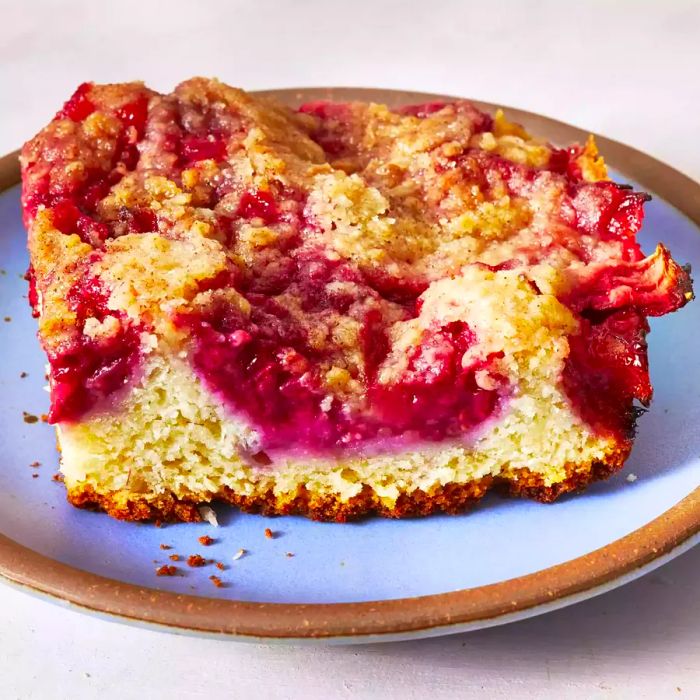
column 376, row 578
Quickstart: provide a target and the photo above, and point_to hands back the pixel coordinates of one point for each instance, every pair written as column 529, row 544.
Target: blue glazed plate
column 55, row 549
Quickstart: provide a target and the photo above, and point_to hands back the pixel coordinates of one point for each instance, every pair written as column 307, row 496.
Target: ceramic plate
column 376, row 579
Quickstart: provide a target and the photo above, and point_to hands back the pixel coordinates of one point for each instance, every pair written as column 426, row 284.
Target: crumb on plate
column 196, row 560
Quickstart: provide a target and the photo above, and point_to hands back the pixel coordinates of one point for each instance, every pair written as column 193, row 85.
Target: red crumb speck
column 166, row 570
column 220, row 565
column 206, row 540
column 216, row 581
column 174, row 557
column 196, row 560
column 35, row 464
column 57, row 477
column 289, row 554
column 44, row 417
column 269, row 534
column 165, row 546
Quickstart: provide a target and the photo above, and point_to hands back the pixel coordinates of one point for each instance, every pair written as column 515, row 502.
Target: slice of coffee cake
column 334, row 311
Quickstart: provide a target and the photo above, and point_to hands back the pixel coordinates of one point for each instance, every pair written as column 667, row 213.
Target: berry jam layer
column 339, row 276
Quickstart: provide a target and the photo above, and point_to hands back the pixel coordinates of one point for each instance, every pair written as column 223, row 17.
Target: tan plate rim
column 618, row 562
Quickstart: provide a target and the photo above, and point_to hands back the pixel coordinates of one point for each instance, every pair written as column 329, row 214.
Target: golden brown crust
column 451, row 498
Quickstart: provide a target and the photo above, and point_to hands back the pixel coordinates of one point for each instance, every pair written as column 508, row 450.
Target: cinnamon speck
column 35, row 464
column 165, row 546
column 269, row 534
column 57, row 477
column 289, row 555
column 7, row 319
column 29, row 417
column 23, row 375
column 44, row 417
column 196, row 560
column 35, row 476
column 206, row 540
column 174, row 557
column 166, row 570
column 216, row 581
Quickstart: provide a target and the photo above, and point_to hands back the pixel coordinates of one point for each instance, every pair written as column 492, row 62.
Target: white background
column 629, row 70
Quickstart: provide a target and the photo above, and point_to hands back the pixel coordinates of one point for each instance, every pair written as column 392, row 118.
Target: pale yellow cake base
column 172, row 446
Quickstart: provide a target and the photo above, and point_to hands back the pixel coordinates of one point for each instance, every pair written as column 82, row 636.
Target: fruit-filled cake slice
column 332, row 311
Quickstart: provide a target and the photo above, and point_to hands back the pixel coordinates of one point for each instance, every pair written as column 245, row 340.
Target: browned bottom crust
column 450, row 498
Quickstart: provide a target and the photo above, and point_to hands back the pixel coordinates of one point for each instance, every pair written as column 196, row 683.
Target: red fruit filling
column 67, row 218
column 266, row 370
column 259, row 204
column 194, row 148
column 135, row 114
column 86, row 370
column 607, row 367
column 437, row 397
column 78, row 106
column 607, row 370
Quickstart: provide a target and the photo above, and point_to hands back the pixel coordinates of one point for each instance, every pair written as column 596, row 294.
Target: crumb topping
column 342, row 275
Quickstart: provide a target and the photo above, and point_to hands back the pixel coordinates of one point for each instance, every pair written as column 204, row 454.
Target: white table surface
column 626, row 69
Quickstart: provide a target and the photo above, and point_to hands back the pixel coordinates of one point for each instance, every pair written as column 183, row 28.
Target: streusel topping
column 339, row 275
